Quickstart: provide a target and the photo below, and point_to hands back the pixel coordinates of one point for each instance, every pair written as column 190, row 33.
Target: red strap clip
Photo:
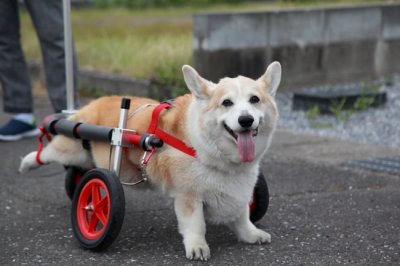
column 147, row 156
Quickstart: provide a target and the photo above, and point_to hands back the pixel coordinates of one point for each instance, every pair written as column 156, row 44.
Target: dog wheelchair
column 98, row 201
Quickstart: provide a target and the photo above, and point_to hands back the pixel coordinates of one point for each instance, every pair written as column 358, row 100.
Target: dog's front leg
column 192, row 226
column 247, row 232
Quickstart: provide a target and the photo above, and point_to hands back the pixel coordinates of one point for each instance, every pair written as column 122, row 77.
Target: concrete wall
column 314, row 46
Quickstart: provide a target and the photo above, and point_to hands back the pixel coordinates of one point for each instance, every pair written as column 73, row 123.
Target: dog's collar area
column 164, row 136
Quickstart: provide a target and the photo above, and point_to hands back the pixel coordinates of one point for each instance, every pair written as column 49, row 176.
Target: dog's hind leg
column 62, row 150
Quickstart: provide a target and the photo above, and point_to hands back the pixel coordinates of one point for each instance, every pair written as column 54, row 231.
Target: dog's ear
column 272, row 77
column 196, row 84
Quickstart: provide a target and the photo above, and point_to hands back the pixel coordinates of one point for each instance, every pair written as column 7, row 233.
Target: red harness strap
column 164, row 136
column 40, row 147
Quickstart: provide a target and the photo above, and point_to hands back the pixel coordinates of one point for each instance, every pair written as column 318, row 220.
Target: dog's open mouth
column 245, row 142
column 235, row 135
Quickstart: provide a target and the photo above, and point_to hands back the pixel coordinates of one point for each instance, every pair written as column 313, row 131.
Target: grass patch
column 313, row 112
column 125, row 42
column 320, row 125
column 146, row 43
column 91, row 92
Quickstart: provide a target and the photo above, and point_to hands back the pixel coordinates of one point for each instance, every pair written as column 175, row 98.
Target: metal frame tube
column 123, row 117
column 68, row 53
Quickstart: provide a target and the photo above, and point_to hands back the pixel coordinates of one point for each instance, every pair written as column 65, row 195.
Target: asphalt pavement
column 320, row 212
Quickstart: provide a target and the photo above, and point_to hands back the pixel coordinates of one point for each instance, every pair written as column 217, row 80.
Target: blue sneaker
column 16, row 130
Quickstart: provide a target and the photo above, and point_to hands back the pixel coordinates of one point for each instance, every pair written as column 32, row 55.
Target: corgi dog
column 229, row 124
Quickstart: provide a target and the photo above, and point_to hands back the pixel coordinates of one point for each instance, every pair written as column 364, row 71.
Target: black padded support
column 51, row 120
column 78, row 130
column 66, row 127
column 94, row 132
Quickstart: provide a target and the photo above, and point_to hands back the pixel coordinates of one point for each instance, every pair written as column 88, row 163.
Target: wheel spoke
column 95, row 195
column 102, row 203
column 94, row 220
column 100, row 215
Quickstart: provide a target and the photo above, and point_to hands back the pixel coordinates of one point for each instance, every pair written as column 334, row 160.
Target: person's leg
column 14, row 75
column 47, row 17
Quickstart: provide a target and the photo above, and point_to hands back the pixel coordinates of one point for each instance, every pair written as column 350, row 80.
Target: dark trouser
column 47, row 17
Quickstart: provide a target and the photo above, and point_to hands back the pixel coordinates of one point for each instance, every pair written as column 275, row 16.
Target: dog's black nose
column 246, row 121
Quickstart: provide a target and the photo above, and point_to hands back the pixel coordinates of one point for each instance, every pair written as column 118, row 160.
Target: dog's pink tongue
column 246, row 146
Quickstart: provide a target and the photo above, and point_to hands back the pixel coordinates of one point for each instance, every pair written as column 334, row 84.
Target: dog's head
column 236, row 116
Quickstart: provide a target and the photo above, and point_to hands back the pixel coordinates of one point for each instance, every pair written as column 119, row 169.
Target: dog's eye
column 227, row 103
column 254, row 99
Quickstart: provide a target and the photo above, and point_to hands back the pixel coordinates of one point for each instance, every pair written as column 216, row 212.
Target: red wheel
column 72, row 179
column 93, row 210
column 98, row 209
column 259, row 204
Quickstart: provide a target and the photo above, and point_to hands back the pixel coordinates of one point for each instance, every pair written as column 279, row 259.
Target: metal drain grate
column 389, row 164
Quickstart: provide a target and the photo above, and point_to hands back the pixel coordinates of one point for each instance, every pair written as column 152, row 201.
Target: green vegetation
column 150, row 44
column 319, row 125
column 135, row 4
column 91, row 92
column 363, row 103
column 142, row 4
column 147, row 42
column 337, row 109
column 313, row 112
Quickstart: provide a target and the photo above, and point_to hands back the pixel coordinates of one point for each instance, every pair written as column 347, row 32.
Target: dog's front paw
column 256, row 236
column 197, row 249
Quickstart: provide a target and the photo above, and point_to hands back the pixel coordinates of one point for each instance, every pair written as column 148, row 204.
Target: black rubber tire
column 260, row 199
column 116, row 210
column 72, row 178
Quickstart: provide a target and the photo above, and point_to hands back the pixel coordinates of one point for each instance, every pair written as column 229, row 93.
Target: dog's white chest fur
column 225, row 195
